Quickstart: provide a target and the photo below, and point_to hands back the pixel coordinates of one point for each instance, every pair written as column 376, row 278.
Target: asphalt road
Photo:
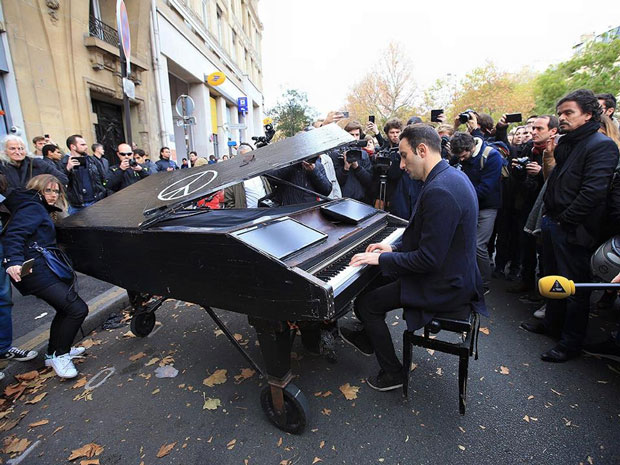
column 520, row 410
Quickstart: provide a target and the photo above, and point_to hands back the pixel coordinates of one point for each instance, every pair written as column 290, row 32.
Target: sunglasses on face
column 125, row 154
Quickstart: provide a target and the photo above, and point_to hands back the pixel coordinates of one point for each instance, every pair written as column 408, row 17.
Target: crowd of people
column 543, row 203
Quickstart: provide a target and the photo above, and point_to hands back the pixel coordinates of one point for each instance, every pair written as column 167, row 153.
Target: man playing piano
column 432, row 269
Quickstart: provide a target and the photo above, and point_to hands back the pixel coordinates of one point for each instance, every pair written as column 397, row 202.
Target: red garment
column 212, row 202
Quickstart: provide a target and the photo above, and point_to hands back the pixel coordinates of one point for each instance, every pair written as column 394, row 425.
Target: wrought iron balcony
column 101, row 30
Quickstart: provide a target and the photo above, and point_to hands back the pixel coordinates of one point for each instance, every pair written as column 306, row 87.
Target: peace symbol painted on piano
column 188, row 185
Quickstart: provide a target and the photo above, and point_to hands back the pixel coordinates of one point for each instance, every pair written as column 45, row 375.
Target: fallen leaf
column 219, row 377
column 439, row 372
column 326, row 394
column 129, row 334
column 322, row 444
column 556, row 392
column 152, row 361
column 156, row 391
column 165, row 450
column 530, row 397
column 484, row 330
column 590, row 460
column 245, row 374
column 41, row 315
column 90, row 462
column 79, row 383
column 218, row 332
column 461, row 429
column 88, row 450
column 526, row 418
column 316, row 460
column 285, row 462
column 138, row 356
column 280, row 442
column 504, row 370
column 38, row 423
column 231, row 444
column 167, row 360
column 15, row 390
column 14, row 445
column 211, row 404
column 37, row 399
column 238, row 337
column 350, row 392
column 9, row 424
column 461, row 447
column 29, row 376
column 88, row 343
column 326, row 411
column 413, row 366
column 57, row 429
column 430, row 351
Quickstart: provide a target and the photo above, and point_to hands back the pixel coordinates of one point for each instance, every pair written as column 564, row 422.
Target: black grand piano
column 276, row 265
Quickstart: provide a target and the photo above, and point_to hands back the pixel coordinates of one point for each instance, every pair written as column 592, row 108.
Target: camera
column 521, row 162
column 445, row 153
column 133, row 163
column 383, row 160
column 262, row 141
column 354, row 155
column 464, row 117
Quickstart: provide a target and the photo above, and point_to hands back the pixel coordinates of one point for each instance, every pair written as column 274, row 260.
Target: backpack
column 503, row 151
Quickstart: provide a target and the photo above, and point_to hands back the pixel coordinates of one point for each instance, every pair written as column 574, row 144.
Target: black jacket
column 118, row 179
column 577, row 188
column 315, row 180
column 526, row 187
column 29, row 168
column 354, row 183
column 75, row 189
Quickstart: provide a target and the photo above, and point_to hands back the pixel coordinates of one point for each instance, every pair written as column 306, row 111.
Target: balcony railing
column 101, row 30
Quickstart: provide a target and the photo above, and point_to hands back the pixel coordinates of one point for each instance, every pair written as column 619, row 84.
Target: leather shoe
column 534, row 326
column 558, row 355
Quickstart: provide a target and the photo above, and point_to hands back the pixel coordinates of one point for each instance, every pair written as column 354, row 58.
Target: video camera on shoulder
column 262, row 141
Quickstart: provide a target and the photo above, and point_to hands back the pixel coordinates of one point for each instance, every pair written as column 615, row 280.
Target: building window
column 219, row 26
column 204, row 12
column 233, row 52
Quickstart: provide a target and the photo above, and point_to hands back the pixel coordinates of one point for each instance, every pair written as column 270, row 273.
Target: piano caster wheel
column 142, row 324
column 295, row 406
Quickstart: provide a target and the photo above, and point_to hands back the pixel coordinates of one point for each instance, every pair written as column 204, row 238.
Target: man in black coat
column 432, row 269
column 573, row 214
column 20, row 168
column 127, row 172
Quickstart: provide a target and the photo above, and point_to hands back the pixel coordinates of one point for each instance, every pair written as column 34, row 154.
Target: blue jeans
column 567, row 317
column 71, row 210
column 6, row 304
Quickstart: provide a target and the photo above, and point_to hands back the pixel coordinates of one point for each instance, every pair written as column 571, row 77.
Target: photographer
column 483, row 165
column 127, row 172
column 307, row 174
column 353, row 167
column 526, row 182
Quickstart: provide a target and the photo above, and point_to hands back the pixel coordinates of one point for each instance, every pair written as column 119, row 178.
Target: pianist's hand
column 371, row 256
column 379, row 248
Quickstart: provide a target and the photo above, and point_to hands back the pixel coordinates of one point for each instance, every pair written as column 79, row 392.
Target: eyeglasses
column 47, row 190
column 125, row 154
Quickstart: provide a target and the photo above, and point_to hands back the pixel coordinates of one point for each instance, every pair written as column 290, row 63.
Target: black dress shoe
column 559, row 355
column 534, row 326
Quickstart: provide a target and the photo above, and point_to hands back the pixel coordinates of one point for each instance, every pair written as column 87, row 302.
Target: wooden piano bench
column 465, row 348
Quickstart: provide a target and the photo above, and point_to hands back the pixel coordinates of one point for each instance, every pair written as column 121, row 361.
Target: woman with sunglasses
column 31, row 227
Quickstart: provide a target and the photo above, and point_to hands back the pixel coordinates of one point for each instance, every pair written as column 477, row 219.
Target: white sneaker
column 540, row 313
column 63, row 366
column 74, row 352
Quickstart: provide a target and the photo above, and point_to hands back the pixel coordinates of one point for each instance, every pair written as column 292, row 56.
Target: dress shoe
column 559, row 355
column 534, row 326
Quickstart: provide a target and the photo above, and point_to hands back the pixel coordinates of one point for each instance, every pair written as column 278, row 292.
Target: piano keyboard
column 338, row 272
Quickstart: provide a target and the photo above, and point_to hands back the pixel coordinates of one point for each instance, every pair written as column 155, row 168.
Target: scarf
column 571, row 139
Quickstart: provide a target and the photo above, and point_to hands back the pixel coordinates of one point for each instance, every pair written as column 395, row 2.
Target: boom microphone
column 559, row 287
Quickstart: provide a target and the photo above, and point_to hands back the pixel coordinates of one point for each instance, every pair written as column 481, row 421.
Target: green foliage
column 292, row 113
column 596, row 68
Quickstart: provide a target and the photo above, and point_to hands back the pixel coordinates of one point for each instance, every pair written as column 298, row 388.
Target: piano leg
column 283, row 403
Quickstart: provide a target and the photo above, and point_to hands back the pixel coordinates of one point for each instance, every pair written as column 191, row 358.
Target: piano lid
column 154, row 196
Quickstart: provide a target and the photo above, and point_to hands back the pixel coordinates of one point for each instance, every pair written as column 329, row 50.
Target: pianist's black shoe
column 559, row 355
column 385, row 381
column 357, row 339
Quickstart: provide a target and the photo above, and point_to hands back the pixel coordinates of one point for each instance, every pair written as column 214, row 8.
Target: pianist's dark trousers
column 381, row 297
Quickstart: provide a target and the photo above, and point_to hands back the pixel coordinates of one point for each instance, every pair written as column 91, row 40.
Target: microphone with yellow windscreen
column 559, row 287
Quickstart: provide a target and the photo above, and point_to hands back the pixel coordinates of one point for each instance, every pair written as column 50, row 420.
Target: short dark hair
column 139, row 152
column 393, row 123
column 486, row 122
column 36, row 139
column 195, row 153
column 552, row 121
column 95, row 146
column 71, row 140
column 161, row 150
column 414, row 120
column 586, row 101
column 47, row 148
column 417, row 134
column 352, row 126
column 610, row 100
column 461, row 141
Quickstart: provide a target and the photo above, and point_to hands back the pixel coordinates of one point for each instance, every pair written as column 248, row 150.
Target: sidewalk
column 32, row 318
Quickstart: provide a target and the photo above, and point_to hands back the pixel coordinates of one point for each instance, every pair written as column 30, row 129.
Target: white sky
column 322, row 47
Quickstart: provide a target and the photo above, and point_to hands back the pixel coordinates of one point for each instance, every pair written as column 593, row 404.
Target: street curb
column 100, row 307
